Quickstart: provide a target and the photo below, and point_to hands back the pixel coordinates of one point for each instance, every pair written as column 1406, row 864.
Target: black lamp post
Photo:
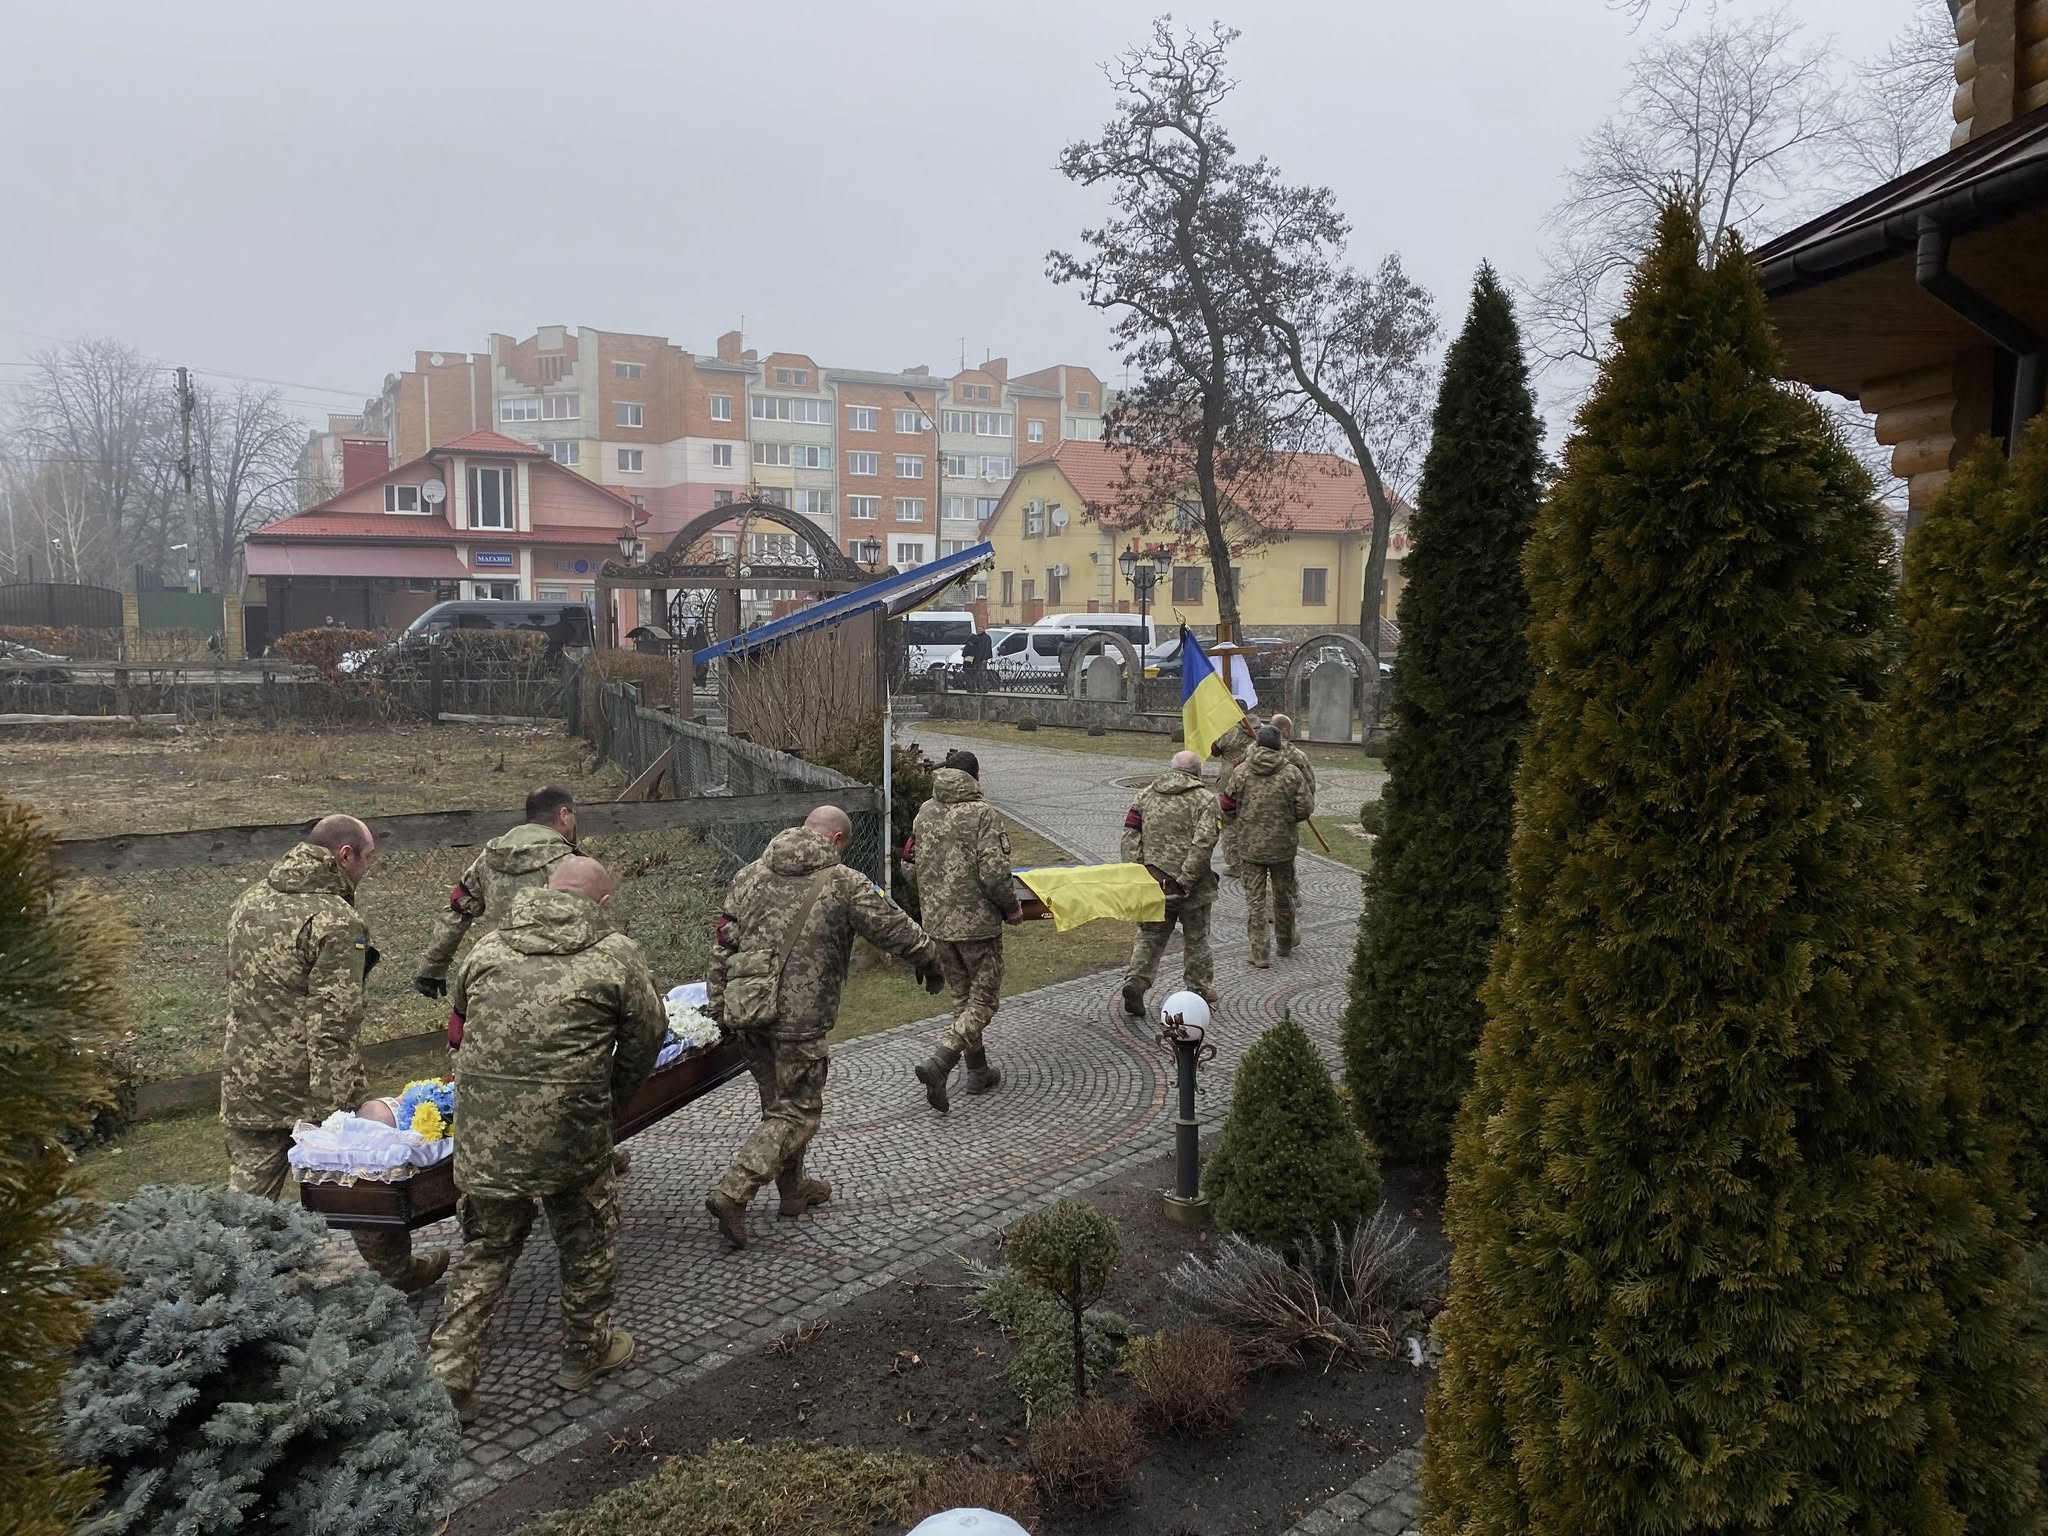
column 631, row 551
column 1144, row 572
column 1185, row 1017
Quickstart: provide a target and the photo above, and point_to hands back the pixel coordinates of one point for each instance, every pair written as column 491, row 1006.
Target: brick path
column 1086, row 1096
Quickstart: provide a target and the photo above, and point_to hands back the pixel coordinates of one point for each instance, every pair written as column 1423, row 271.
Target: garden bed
column 908, row 1369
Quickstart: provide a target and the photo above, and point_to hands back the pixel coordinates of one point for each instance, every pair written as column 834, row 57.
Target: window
column 956, row 421
column 498, row 591
column 1083, row 400
column 913, row 421
column 909, row 552
column 629, row 461
column 909, row 466
column 815, row 504
column 777, row 496
column 863, row 418
column 774, row 548
column 721, row 407
column 625, row 413
column 627, row 370
column 567, row 454
column 1237, row 581
column 721, row 498
column 721, row 455
column 769, row 407
column 909, row 509
column 954, row 509
column 954, row 546
column 1055, row 521
column 976, row 392
column 1034, row 521
column 1030, row 590
column 985, row 507
column 996, row 466
column 863, row 463
column 1034, row 431
column 724, row 545
column 864, row 509
column 490, row 496
column 994, row 424
column 402, row 498
column 813, row 456
column 553, row 365
column 1187, row 519
column 1187, row 583
column 519, row 408
column 559, row 407
column 954, row 465
column 794, row 378
column 640, row 501
column 1315, row 587
column 779, row 454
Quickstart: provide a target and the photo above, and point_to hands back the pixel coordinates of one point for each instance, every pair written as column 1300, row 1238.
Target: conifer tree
column 59, row 1015
column 1972, row 712
column 1439, row 870
column 1716, row 1265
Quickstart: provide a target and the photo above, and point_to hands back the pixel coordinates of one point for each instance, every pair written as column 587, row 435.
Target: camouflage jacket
column 297, row 954
column 1234, row 743
column 960, row 860
column 1173, row 828
column 1265, row 796
column 764, row 977
column 508, row 865
column 1299, row 758
column 561, row 1025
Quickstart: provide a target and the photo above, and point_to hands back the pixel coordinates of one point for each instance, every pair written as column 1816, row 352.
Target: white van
column 933, row 637
column 1134, row 629
column 1042, row 649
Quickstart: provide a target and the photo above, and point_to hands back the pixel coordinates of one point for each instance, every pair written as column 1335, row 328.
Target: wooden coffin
column 429, row 1195
column 1034, row 909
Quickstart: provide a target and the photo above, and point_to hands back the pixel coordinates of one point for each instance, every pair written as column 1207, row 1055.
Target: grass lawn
column 1137, row 745
column 1347, row 840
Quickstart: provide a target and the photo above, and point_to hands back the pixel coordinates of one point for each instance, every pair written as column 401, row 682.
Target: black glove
column 430, row 986
column 934, row 979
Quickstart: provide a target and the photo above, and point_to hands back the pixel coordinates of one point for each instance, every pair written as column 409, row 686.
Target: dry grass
column 1085, row 1458
column 1193, row 1383
column 965, row 1484
column 1145, row 747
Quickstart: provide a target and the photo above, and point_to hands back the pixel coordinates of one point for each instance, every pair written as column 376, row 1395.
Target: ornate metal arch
column 669, row 567
column 1101, row 640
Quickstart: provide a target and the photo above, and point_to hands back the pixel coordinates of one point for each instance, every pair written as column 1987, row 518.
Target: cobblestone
column 1085, row 1097
column 1382, row 1503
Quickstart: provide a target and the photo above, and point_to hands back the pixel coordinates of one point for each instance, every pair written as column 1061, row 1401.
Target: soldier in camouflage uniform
column 1266, row 798
column 959, row 856
column 1284, row 724
column 298, row 952
column 1229, row 751
column 784, row 941
column 1173, row 828
column 519, row 860
column 561, row 1025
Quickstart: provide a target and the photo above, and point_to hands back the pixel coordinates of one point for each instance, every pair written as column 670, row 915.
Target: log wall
column 2001, row 64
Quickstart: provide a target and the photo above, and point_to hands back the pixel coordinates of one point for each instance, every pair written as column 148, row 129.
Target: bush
column 1715, row 1264
column 1372, row 816
column 1084, row 1458
column 856, row 751
column 963, row 1483
column 120, row 1073
column 1095, row 729
column 655, row 676
column 1068, row 1251
column 1289, row 1167
column 60, row 961
column 1027, row 724
column 1041, row 1367
column 322, row 649
column 234, row 1382
column 1193, row 1383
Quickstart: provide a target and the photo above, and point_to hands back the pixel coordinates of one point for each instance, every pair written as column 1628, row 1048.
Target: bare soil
column 908, row 1369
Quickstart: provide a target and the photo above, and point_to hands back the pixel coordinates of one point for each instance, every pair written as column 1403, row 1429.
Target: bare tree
column 1899, row 115
column 1200, row 409
column 245, row 468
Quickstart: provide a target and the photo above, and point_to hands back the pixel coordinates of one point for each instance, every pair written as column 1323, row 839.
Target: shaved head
column 1187, row 762
column 585, row 876
column 1284, row 725
column 832, row 824
column 335, row 833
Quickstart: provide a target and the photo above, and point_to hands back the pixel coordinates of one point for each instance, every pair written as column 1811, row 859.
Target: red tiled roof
column 1323, row 493
column 492, row 442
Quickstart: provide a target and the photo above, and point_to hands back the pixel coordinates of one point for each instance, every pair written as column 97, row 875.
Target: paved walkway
column 1086, row 1096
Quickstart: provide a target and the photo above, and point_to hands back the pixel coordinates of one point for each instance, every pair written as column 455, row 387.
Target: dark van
column 567, row 625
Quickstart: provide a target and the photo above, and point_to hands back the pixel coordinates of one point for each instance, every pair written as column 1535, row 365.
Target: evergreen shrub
column 1717, row 1260
column 236, row 1381
column 1068, row 1251
column 60, row 960
column 1372, row 816
column 1290, row 1167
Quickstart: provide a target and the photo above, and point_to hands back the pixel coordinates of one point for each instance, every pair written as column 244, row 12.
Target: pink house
column 483, row 516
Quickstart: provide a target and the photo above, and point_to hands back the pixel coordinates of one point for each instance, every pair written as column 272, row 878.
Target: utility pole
column 185, row 404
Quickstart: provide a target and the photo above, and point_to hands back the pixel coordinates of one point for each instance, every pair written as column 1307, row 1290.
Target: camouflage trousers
column 1198, row 964
column 1269, row 901
column 974, row 976
column 259, row 1164
column 789, row 1073
column 585, row 1221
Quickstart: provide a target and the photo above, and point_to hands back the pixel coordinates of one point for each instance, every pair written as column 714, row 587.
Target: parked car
column 1265, row 649
column 23, row 666
column 933, row 639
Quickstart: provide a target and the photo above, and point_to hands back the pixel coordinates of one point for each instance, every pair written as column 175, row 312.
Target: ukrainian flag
column 1207, row 711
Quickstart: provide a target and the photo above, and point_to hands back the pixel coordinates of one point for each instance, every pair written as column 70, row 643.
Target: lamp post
column 630, row 551
column 1184, row 1019
column 931, row 418
column 1144, row 572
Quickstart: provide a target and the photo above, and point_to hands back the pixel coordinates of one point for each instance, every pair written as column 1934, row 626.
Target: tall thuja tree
column 1972, row 710
column 1715, row 1265
column 1439, row 875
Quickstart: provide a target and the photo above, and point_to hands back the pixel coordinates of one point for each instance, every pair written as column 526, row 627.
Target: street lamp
column 867, row 552
column 1144, row 572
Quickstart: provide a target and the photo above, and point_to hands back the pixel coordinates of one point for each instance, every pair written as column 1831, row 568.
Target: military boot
column 730, row 1215
column 981, row 1077
column 581, row 1375
column 804, row 1194
column 933, row 1074
column 467, row 1409
column 622, row 1161
column 425, row 1271
column 1134, row 999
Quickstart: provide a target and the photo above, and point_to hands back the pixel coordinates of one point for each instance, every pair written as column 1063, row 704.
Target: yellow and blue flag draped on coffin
column 1207, row 711
column 1080, row 893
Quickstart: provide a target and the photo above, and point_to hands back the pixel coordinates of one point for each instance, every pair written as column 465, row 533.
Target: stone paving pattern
column 1086, row 1096
column 1387, row 1501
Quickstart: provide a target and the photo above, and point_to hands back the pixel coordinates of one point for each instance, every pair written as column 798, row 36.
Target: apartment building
column 898, row 467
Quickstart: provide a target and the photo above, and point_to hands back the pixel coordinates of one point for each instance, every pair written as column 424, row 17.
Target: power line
column 212, row 373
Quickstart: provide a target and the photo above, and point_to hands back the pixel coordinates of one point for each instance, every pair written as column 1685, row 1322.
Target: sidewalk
column 1086, row 1094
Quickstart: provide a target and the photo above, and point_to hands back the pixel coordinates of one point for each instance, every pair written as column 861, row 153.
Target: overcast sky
column 308, row 193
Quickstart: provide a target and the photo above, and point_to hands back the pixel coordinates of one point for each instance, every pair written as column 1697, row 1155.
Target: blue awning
column 898, row 593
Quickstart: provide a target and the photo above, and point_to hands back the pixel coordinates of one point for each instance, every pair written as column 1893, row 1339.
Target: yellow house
column 1058, row 530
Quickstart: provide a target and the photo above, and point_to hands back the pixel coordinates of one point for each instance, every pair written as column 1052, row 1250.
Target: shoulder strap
column 787, row 947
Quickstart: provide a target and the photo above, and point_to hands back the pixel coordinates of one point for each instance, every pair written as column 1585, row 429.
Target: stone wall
column 1046, row 709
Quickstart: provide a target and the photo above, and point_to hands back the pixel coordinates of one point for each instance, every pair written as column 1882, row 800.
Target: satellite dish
column 1059, row 517
column 434, row 359
column 433, row 493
